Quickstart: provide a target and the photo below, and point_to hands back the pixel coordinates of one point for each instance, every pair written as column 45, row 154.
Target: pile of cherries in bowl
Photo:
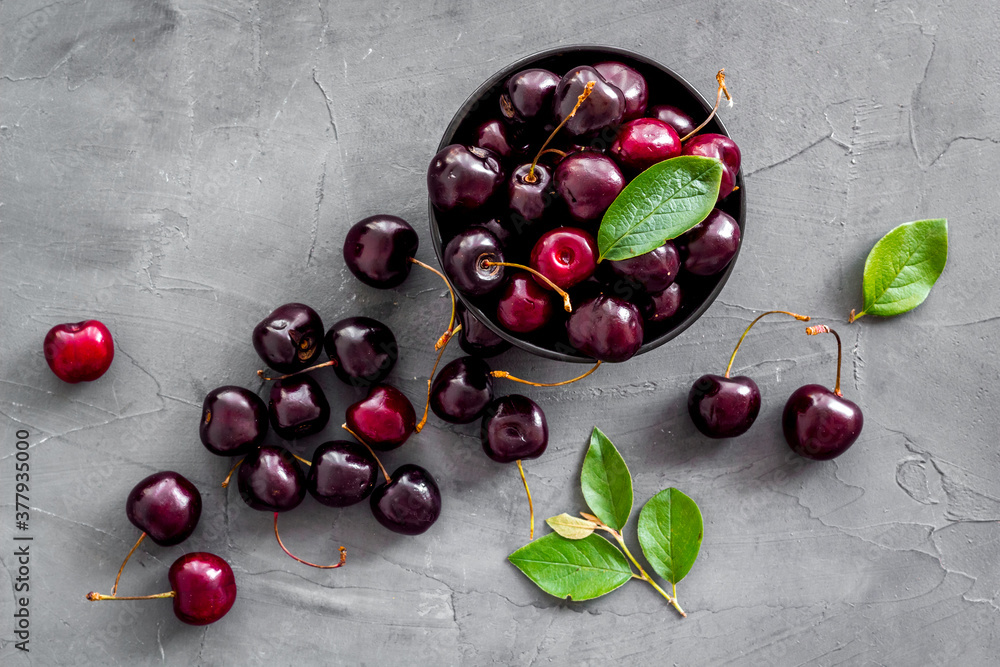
column 505, row 190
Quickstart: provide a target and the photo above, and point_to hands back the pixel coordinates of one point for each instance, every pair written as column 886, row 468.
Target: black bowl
column 665, row 87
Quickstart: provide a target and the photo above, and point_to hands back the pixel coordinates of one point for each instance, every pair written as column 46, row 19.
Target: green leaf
column 574, row 569
column 606, row 482
column 670, row 532
column 659, row 204
column 571, row 527
column 903, row 266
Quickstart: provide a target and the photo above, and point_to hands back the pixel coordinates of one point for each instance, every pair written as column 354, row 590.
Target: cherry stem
column 553, row 150
column 332, row 362
column 370, row 450
column 427, row 405
column 822, row 329
column 508, row 376
column 443, row 340
column 225, row 482
column 567, row 306
column 530, row 176
column 97, row 597
column 340, row 563
column 302, row 460
column 801, row 318
column 114, row 589
column 721, row 78
column 531, row 506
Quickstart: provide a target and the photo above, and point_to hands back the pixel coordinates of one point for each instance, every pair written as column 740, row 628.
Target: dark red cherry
column 503, row 230
column 514, row 428
column 410, row 503
column 643, row 142
column 79, row 352
column 651, row 272
column 723, row 149
column 364, row 350
column 565, row 255
column 527, row 97
column 661, row 306
column 606, row 328
column 165, row 506
column 529, row 199
column 709, row 246
column 462, row 390
column 271, row 480
column 630, row 82
column 818, row 424
column 378, row 250
column 723, row 407
column 342, row 473
column 464, row 261
column 462, row 178
column 524, row 304
column 477, row 339
column 495, row 136
column 384, row 419
column 588, row 182
column 604, row 108
column 682, row 123
column 204, row 588
column 290, row 338
column 233, row 421
column 298, row 407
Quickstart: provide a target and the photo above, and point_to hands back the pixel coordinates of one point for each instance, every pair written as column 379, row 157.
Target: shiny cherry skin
column 723, row 149
column 463, row 261
column 588, row 182
column 630, row 82
column 477, row 339
column 661, row 306
column 290, row 338
column 462, row 390
column 342, row 473
column 524, row 305
column 378, row 250
column 529, row 199
column 643, row 142
column 820, row 425
column 565, row 255
column 722, row 407
column 204, row 588
column 682, row 123
column 503, row 230
column 410, row 503
column 527, row 97
column 270, row 479
column 298, row 407
column 711, row 245
column 514, row 428
column 79, row 352
column 364, row 350
column 384, row 419
column 651, row 272
column 606, row 328
column 233, row 421
column 463, row 178
column 604, row 108
column 165, row 506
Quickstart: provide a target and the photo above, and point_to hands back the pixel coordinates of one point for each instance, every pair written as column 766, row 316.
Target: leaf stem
column 801, row 318
column 645, row 577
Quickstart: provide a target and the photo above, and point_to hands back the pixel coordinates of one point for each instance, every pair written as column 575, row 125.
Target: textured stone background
column 177, row 169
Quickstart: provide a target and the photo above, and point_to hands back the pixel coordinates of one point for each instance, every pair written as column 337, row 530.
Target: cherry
column 462, row 390
column 524, row 305
column 682, row 123
column 463, row 178
column 463, row 261
column 233, row 421
column 604, row 108
column 165, row 506
column 342, row 473
column 588, row 182
column 721, row 148
column 384, row 419
column 79, row 352
column 661, row 306
column 362, row 349
column 379, row 250
column 527, row 97
column 514, row 428
column 529, row 197
column 271, row 480
column 409, row 503
column 477, row 339
column 298, row 407
column 709, row 246
column 643, row 142
column 630, row 82
column 606, row 328
column 565, row 255
column 500, row 229
column 653, row 271
column 494, row 136
column 290, row 338
column 818, row 423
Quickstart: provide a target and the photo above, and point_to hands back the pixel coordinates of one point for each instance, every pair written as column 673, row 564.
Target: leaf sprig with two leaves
column 575, row 562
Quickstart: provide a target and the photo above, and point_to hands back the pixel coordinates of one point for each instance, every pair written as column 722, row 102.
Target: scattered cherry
column 290, row 338
column 271, row 480
column 233, row 421
column 524, row 304
column 362, row 349
column 384, row 419
column 565, row 255
column 409, row 503
column 588, row 182
column 342, row 473
column 298, row 407
column 630, row 82
column 604, row 108
column 709, row 246
column 606, row 328
column 379, row 250
column 643, row 142
column 165, row 506
column 462, row 178
column 462, row 390
column 79, row 352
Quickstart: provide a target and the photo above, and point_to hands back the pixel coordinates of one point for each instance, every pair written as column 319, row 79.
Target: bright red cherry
column 79, row 352
column 384, row 420
column 204, row 588
column 723, row 149
column 565, row 255
column 524, row 304
column 643, row 142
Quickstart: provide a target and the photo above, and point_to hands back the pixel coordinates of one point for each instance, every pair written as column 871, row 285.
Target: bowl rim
column 473, row 101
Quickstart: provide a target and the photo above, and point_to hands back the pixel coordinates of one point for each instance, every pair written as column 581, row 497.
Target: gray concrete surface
column 177, row 169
